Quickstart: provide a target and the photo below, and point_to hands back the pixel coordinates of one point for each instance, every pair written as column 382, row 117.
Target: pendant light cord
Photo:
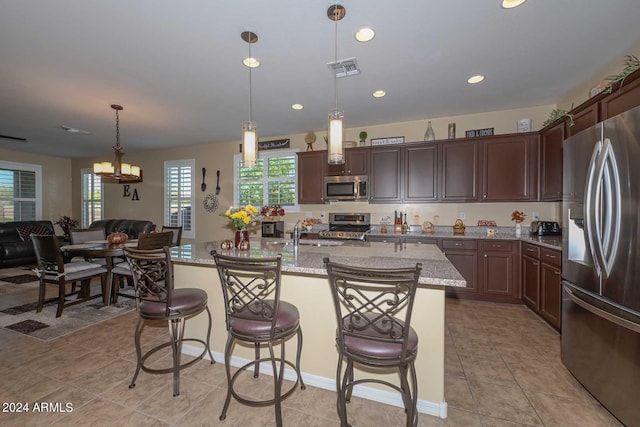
column 250, row 86
column 117, row 129
column 335, row 57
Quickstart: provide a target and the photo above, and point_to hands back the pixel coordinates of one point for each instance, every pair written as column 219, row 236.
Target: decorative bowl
column 117, row 237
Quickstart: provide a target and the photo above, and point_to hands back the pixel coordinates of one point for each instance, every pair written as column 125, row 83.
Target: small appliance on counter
column 545, row 228
column 272, row 228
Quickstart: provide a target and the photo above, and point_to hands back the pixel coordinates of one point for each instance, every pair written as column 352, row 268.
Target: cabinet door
column 312, row 166
column 622, row 99
column 459, row 171
column 466, row 262
column 386, row 175
column 509, row 168
column 531, row 282
column 356, row 162
column 582, row 120
column 421, row 173
column 550, row 298
column 497, row 274
column 551, row 163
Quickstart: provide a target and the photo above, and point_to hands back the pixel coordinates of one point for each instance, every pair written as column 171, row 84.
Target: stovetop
column 347, row 226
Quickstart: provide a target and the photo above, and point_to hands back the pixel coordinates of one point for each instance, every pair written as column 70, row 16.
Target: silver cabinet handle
column 459, row 244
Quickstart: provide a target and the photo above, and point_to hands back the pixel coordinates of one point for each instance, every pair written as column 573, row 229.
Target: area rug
column 21, row 290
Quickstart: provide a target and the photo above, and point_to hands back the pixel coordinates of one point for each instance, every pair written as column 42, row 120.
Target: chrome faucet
column 296, row 234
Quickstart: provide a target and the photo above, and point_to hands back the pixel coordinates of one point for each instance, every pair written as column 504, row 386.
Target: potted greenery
column 363, row 138
column 67, row 224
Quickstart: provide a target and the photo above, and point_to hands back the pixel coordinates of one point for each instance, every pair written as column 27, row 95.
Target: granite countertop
column 308, row 258
column 473, row 232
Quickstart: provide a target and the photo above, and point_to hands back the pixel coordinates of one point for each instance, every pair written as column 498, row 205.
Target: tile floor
column 502, row 369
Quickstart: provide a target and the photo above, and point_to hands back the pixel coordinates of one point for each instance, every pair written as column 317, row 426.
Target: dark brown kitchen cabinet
column 463, row 254
column 551, row 163
column 356, row 162
column 421, row 173
column 459, row 171
column 541, row 281
column 386, row 174
column 582, row 119
column 622, row 98
column 509, row 168
column 312, row 167
column 499, row 270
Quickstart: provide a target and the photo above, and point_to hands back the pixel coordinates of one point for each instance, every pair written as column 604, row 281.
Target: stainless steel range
column 347, row 226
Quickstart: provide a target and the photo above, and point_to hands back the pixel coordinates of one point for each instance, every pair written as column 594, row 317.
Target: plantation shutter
column 18, row 193
column 179, row 195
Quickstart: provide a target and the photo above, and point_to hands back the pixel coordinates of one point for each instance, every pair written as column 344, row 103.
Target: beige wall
column 211, row 226
column 56, row 181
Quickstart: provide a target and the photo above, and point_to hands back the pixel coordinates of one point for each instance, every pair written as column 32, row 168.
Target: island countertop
column 308, row 257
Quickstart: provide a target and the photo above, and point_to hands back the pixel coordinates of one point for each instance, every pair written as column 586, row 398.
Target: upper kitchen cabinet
column 421, row 173
column 385, row 174
column 312, row 167
column 509, row 168
column 551, row 162
column 356, row 162
column 459, row 170
column 582, row 118
column 622, row 98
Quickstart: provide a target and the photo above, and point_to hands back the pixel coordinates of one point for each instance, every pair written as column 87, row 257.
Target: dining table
column 100, row 249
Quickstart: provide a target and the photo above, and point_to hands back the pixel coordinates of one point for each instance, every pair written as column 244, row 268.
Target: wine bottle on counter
column 405, row 225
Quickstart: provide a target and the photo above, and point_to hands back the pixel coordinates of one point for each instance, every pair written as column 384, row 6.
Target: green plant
column 557, row 114
column 363, row 136
column 631, row 64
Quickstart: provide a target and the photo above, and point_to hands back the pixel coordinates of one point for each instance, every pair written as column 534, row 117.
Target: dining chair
column 122, row 272
column 157, row 299
column 373, row 308
column 177, row 234
column 53, row 270
column 84, row 235
column 256, row 315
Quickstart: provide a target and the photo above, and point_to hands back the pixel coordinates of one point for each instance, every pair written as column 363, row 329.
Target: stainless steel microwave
column 346, row 187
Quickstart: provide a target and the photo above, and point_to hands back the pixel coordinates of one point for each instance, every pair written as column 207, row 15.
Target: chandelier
column 336, row 116
column 121, row 172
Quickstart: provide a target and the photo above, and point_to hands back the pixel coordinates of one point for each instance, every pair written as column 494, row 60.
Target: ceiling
column 176, row 66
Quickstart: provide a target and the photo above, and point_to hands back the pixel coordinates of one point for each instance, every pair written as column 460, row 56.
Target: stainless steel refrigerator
column 601, row 263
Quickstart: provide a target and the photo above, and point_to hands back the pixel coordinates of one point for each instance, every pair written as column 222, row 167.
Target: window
column 272, row 181
column 179, row 198
column 20, row 192
column 92, row 193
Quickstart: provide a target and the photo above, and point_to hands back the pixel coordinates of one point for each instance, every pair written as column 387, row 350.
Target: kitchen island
column 305, row 284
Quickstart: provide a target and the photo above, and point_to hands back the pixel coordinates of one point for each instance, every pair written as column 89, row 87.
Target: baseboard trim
column 387, row 397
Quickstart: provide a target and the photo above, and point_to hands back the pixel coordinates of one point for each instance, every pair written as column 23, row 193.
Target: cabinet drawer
column 497, row 245
column 530, row 250
column 550, row 256
column 422, row 240
column 460, row 244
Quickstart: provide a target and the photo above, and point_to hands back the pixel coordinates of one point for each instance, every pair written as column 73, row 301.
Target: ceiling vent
column 345, row 67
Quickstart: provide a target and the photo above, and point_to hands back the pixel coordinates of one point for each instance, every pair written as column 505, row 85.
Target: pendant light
column 249, row 129
column 335, row 132
column 121, row 172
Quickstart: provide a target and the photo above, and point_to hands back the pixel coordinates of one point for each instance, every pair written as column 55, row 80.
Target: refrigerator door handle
column 601, row 313
column 610, row 211
column 590, row 208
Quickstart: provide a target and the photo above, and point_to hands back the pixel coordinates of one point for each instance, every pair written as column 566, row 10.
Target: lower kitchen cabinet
column 463, row 254
column 541, row 282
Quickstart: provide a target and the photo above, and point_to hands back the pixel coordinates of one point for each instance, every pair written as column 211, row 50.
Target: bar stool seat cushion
column 374, row 347
column 246, row 322
column 183, row 302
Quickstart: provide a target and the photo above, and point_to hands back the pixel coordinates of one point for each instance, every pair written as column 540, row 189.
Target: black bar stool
column 373, row 309
column 255, row 314
column 152, row 272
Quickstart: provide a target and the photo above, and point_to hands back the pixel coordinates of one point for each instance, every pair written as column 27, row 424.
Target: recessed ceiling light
column 297, row 106
column 251, row 62
column 365, row 34
column 74, row 130
column 475, row 79
column 379, row 93
column 510, row 4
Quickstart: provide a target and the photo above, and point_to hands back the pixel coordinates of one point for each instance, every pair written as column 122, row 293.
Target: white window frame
column 84, row 220
column 191, row 163
column 29, row 168
column 265, row 155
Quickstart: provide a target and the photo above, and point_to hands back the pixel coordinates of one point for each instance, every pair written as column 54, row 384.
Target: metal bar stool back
column 152, row 272
column 255, row 314
column 373, row 308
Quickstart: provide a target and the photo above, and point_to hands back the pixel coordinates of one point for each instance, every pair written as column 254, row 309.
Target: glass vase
column 242, row 236
column 429, row 135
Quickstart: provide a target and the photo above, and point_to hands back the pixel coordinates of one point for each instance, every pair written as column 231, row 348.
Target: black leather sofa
column 15, row 251
column 132, row 227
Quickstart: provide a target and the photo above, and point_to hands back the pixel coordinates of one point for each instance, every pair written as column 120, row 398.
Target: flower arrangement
column 518, row 216
column 243, row 216
column 275, row 210
column 67, row 224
